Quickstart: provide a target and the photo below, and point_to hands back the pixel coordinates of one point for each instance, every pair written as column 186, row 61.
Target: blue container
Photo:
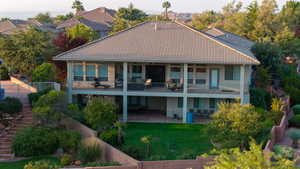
column 189, row 117
column 2, row 93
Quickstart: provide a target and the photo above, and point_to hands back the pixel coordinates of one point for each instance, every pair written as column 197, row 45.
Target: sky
column 28, row 8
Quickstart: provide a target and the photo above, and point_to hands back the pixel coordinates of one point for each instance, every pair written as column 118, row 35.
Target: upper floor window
column 90, row 72
column 232, row 73
column 78, row 72
column 136, row 72
column 190, row 75
column 180, row 102
column 175, row 74
column 103, row 72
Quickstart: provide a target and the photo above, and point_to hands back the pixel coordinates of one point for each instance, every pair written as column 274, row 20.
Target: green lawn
column 22, row 163
column 170, row 141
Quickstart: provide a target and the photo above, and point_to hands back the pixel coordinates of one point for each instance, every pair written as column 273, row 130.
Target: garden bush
column 260, row 98
column 50, row 108
column 4, row 75
column 111, row 137
column 66, row 159
column 44, row 73
column 68, row 140
column 294, row 134
column 283, row 152
column 295, row 121
column 296, row 109
column 133, row 151
column 11, row 105
column 33, row 97
column 34, row 141
column 40, row 165
column 89, row 152
column 100, row 114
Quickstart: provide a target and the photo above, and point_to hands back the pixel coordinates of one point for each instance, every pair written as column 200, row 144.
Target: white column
column 185, row 88
column 242, row 84
column 84, row 71
column 70, row 80
column 125, row 104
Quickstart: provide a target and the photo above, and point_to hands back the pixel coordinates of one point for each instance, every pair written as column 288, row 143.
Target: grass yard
column 169, row 141
column 20, row 164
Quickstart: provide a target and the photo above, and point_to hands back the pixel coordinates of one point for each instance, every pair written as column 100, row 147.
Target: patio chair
column 171, row 85
column 98, row 84
column 148, row 83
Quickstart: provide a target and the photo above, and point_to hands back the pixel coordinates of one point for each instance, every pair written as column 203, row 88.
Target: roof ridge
column 213, row 39
column 99, row 40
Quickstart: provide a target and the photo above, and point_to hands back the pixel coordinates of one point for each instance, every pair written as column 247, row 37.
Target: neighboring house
column 13, row 26
column 189, row 70
column 182, row 17
column 99, row 19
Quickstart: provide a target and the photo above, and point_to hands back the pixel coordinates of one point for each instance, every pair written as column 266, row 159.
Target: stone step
column 5, row 146
column 6, row 156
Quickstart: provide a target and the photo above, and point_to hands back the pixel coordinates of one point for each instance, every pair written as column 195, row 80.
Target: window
column 175, row 74
column 190, row 75
column 200, row 76
column 136, row 72
column 134, row 100
column 78, row 72
column 199, row 103
column 180, row 102
column 201, row 70
column 232, row 73
column 212, row 103
column 90, row 72
column 103, row 72
column 200, row 81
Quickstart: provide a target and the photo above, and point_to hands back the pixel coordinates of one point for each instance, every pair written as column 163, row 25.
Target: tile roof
column 171, row 42
column 99, row 19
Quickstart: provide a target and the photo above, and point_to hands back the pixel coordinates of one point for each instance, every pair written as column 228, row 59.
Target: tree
column 166, row 5
column 82, row 31
column 233, row 124
column 44, row 18
column 100, row 114
column 127, row 17
column 44, row 73
column 65, row 43
column 252, row 158
column 61, row 18
column 269, row 55
column 4, row 19
column 24, row 51
column 49, row 109
column 205, row 19
column 78, row 6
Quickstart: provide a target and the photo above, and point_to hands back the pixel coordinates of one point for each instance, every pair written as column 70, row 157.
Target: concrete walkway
column 15, row 90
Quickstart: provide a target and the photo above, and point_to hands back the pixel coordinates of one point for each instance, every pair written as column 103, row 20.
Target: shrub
column 11, row 105
column 296, row 109
column 4, row 75
column 75, row 112
column 33, row 141
column 283, row 152
column 111, row 137
column 295, row 121
column 66, row 159
column 233, row 124
column 49, row 109
column 277, row 110
column 40, row 165
column 100, row 114
column 44, row 73
column 68, row 140
column 33, row 97
column 260, row 98
column 134, row 152
column 89, row 151
column 294, row 134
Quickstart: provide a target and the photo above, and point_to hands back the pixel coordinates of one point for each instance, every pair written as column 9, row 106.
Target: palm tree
column 166, row 5
column 77, row 5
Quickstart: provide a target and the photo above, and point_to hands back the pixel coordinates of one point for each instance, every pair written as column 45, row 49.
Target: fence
column 36, row 86
column 278, row 132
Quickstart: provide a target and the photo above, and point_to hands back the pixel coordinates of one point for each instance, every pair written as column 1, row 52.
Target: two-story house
column 164, row 67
